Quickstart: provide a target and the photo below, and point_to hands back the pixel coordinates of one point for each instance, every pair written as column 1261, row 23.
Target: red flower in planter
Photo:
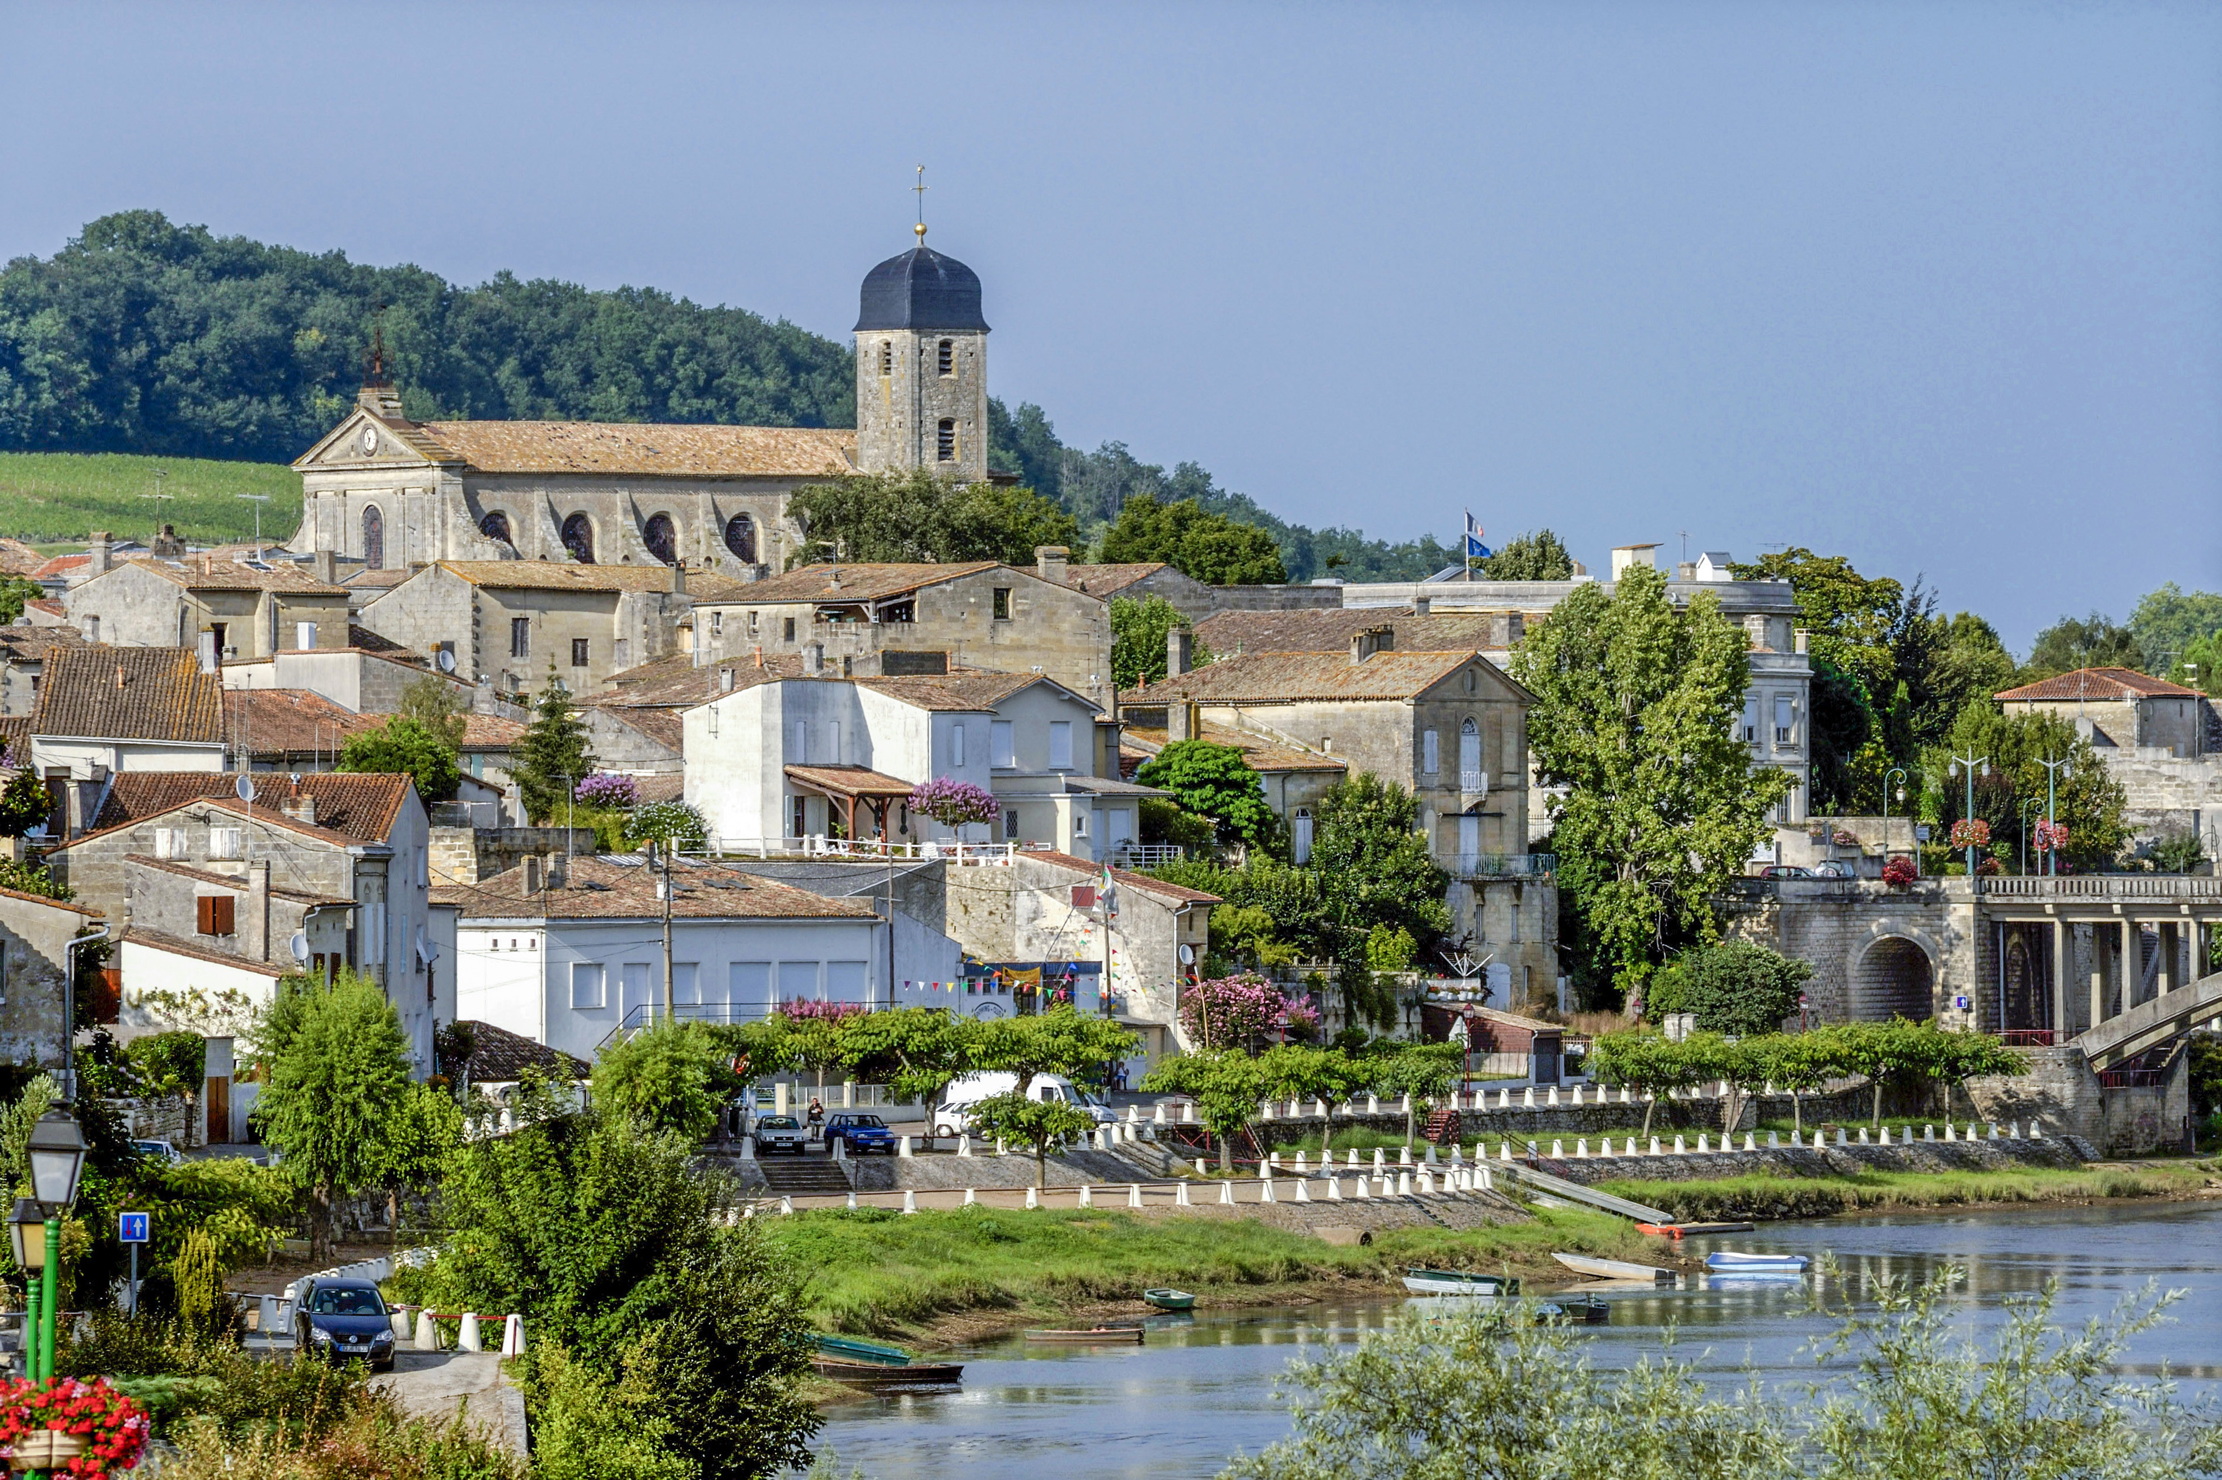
column 113, row 1426
column 1899, row 872
column 1971, row 832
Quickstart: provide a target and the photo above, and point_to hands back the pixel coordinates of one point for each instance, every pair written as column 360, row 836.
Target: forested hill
column 143, row 336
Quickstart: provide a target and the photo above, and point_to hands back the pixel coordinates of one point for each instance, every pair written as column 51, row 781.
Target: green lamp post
column 56, row 1152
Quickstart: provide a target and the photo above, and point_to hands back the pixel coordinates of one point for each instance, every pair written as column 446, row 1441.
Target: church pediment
column 363, row 440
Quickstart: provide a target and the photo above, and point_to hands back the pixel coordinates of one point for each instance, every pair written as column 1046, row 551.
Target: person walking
column 817, row 1119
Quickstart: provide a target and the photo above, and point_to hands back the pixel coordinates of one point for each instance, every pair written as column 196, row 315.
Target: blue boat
column 1730, row 1262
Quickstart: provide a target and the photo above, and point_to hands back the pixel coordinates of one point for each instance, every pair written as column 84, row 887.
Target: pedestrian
column 817, row 1119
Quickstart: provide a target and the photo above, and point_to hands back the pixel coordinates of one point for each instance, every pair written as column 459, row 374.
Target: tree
column 1642, row 1061
column 436, row 704
column 1246, row 934
column 1080, row 1046
column 679, row 826
column 673, row 1076
column 1952, row 1059
column 2170, row 619
column 2089, row 801
column 14, row 592
column 553, row 754
column 25, row 804
column 337, row 1075
column 917, row 516
column 601, row 1232
column 1138, row 639
column 1374, row 867
column 1214, row 781
column 1634, row 718
column 1803, row 1062
column 1034, row 1124
column 1884, row 1053
column 1421, row 1072
column 2096, row 641
column 915, row 1051
column 954, row 803
column 1540, row 556
column 1207, row 547
column 1226, row 1085
column 402, row 746
column 1738, row 987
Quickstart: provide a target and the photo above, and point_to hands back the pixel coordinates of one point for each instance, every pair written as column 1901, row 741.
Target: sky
column 1933, row 286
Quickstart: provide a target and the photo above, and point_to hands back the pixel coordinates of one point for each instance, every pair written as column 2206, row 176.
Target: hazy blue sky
column 1931, row 285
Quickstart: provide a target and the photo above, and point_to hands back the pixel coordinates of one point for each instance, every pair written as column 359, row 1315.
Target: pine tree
column 553, row 755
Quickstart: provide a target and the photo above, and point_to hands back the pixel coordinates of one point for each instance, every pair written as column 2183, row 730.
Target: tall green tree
column 1633, row 727
column 918, row 517
column 2091, row 802
column 1214, row 781
column 402, row 746
column 1211, row 548
column 437, row 705
column 1139, row 630
column 1740, row 987
column 674, row 1076
column 1540, row 556
column 2095, row 641
column 553, row 755
column 14, row 592
column 1375, row 867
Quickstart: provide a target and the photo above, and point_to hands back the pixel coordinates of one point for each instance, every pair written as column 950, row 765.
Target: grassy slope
column 1787, row 1196
column 57, row 496
column 876, row 1271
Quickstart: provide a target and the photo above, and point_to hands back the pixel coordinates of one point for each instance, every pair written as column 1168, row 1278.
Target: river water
column 1201, row 1389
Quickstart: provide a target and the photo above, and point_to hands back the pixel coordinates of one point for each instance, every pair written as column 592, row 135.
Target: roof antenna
column 920, row 191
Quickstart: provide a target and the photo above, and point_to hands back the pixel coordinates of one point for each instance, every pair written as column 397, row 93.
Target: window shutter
column 215, row 914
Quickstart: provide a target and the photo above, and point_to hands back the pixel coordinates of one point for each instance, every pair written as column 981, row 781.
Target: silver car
column 780, row 1133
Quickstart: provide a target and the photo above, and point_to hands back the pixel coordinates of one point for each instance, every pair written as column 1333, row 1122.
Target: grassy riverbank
column 949, row 1275
column 1788, row 1195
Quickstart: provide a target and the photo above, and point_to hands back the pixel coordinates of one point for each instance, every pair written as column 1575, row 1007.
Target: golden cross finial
column 920, row 191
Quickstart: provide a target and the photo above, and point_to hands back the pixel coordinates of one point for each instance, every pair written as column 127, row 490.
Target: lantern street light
column 1968, row 766
column 1900, row 773
column 27, row 1237
column 56, row 1152
column 2053, row 772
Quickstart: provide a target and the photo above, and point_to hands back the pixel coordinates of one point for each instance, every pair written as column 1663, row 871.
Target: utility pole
column 159, row 498
column 663, row 852
column 258, row 500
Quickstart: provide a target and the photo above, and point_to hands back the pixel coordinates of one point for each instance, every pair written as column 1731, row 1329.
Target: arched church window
column 740, row 538
column 948, row 356
column 661, row 538
column 887, row 357
column 1469, row 757
column 374, row 538
column 495, row 526
column 578, row 538
column 945, row 441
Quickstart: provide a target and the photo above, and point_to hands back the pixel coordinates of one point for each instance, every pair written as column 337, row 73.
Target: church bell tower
column 922, row 367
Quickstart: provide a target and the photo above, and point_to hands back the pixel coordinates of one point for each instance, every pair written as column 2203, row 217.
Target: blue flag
column 1475, row 549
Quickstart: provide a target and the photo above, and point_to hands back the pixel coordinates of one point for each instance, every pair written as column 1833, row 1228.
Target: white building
column 571, row 954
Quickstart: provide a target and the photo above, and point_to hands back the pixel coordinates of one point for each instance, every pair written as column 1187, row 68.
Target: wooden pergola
column 847, row 786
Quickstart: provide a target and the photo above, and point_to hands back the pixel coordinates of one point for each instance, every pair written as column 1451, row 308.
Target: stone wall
column 1983, row 1155
column 1871, row 946
column 2061, row 1092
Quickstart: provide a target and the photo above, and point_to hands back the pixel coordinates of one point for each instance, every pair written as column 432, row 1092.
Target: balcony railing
column 1501, row 865
column 1147, row 855
column 1473, row 781
column 871, row 848
column 2190, row 887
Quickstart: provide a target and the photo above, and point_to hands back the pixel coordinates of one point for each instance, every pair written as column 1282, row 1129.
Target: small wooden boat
column 881, row 1374
column 1728, row 1261
column 1122, row 1335
column 1691, row 1230
column 1458, row 1282
column 850, row 1349
column 1575, row 1310
column 1170, row 1299
column 1615, row 1269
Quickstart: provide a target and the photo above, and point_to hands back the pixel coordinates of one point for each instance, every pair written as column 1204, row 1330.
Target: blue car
column 342, row 1321
column 859, row 1133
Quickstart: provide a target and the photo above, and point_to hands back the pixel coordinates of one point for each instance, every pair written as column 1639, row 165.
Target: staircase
column 1442, row 1128
column 804, row 1176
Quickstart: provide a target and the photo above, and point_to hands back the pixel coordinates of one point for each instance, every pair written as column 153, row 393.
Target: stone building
column 218, row 610
column 505, row 624
column 23, row 650
column 1194, row 600
column 35, row 937
column 107, row 710
column 2120, row 709
column 873, row 620
column 921, row 367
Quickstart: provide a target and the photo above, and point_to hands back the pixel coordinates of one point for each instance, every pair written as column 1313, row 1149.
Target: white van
column 951, row 1117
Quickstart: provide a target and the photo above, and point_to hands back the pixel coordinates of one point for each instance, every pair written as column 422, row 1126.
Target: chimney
column 678, row 578
column 301, row 807
column 1755, row 629
column 1801, row 640
column 1580, row 570
column 1364, row 645
column 1180, row 651
column 1182, row 721
column 1624, row 556
column 814, row 659
column 254, row 931
column 99, row 558
column 1685, row 570
column 324, row 565
column 1423, row 606
column 1506, row 628
column 1050, row 561
column 557, row 874
column 532, row 873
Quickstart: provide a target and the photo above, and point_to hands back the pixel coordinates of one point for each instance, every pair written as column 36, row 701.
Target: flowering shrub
column 954, row 803
column 1986, row 868
column 1899, row 872
column 2050, row 836
column 1232, row 1011
column 607, row 789
column 1971, row 832
column 1300, row 1018
column 113, row 1427
column 1845, row 838
column 801, row 1010
column 678, row 824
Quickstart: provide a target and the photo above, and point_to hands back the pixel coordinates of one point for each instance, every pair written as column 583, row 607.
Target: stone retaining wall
column 2063, row 1152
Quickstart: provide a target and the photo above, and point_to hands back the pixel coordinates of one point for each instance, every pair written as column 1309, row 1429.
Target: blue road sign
column 131, row 1228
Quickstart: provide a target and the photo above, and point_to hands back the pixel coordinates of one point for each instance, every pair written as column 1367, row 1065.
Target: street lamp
column 1900, row 773
column 56, row 1151
column 27, row 1236
column 2053, row 772
column 1969, row 765
column 2024, row 816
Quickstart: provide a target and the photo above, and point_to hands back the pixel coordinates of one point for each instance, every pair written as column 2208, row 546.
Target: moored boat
column 851, row 1349
column 881, row 1374
column 1729, row 1261
column 1170, row 1299
column 1091, row 1336
column 1615, row 1269
column 1458, row 1282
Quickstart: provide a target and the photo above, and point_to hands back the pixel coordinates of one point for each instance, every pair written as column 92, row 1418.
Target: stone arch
column 1895, row 977
column 374, row 537
column 740, row 538
column 578, row 538
column 661, row 537
column 495, row 526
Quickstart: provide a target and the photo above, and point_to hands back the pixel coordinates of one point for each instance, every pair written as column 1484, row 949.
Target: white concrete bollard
column 1226, row 1192
column 2036, row 1131
column 1679, row 1148
column 1300, row 1164
column 271, row 1325
column 1265, row 1109
column 1364, row 1188
column 1373, row 1104
column 1403, row 1156
column 1303, row 1190
column 513, row 1335
column 1033, row 1198
column 1750, row 1144
column 1581, row 1150
column 1863, row 1136
column 1273, row 1160
column 1994, row 1130
column 1886, row 1135
column 971, row 1198
column 1134, row 1194
column 1201, row 1169
column 1504, row 1099
column 1773, row 1141
column 468, row 1339
column 1654, row 1145
column 1188, row 1113
column 1334, row 1189
column 1949, row 1132
column 910, row 1200
column 1403, row 1184
column 1841, row 1138
column 1702, row 1148
column 2013, row 1130
column 964, row 1144
column 1265, row 1189
column 852, row 1199
column 1087, row 1196
column 1457, row 1157
column 1577, row 1097
column 786, row 1203
column 1427, row 1158
column 1103, row 1138
column 1527, row 1098
column 1504, row 1151
column 1319, row 1108
column 1180, row 1194
column 1552, row 1097
column 902, row 1147
column 1351, row 1159
column 1970, row 1136
column 1558, row 1151
column 428, row 1334
column 1380, row 1158
column 1630, row 1148
column 1158, row 1118
column 1425, row 1182
column 838, row 1153
column 748, row 1148
column 1928, row 1133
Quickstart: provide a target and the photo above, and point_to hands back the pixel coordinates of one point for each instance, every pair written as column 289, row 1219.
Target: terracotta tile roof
column 14, row 727
column 366, row 580
column 652, row 449
column 25, row 641
column 1262, row 754
column 600, row 888
column 1286, row 678
column 59, row 904
column 662, row 786
column 128, row 693
column 18, row 558
column 47, row 604
column 60, row 565
column 976, row 689
column 1122, row 877
column 491, row 732
column 1107, row 581
column 551, row 575
column 857, row 583
column 666, row 727
column 681, row 685
column 2103, row 684
column 222, row 575
column 499, row 1056
column 156, row 940
column 1328, row 629
column 351, row 807
column 286, row 722
column 848, row 781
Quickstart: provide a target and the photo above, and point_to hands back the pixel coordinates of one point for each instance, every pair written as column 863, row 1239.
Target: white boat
column 1458, row 1282
column 1730, row 1262
column 1615, row 1269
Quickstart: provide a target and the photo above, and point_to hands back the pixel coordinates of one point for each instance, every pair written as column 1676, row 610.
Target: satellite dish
column 244, row 789
column 444, row 660
column 299, row 946
column 1187, row 955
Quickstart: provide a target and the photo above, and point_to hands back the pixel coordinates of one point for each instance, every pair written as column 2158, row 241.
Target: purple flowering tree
column 954, row 803
column 1232, row 1011
column 607, row 789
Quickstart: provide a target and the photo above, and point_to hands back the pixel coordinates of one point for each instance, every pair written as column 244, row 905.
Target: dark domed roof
column 920, row 290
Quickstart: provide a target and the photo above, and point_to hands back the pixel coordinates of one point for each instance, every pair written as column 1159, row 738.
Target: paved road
column 434, row 1385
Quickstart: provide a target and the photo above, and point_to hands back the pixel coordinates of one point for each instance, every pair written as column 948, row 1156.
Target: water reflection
column 1201, row 1387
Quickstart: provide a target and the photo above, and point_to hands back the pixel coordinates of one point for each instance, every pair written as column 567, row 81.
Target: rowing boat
column 1458, row 1282
column 1170, row 1299
column 1093, row 1336
column 850, row 1349
column 880, row 1374
column 1729, row 1261
column 1615, row 1269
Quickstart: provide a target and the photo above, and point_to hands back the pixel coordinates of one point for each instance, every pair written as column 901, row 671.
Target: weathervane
column 920, row 191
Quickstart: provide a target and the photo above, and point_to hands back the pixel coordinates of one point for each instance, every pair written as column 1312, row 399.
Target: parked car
column 1835, row 868
column 780, row 1133
column 340, row 1320
column 859, row 1132
column 953, row 1115
column 161, row 1151
column 1785, row 871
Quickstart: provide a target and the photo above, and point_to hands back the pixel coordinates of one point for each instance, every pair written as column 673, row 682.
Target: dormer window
column 946, row 357
column 945, row 441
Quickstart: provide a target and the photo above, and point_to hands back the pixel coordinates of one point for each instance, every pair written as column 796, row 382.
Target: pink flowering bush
column 802, row 1010
column 954, row 803
column 1232, row 1011
column 1971, row 832
column 2050, row 836
column 607, row 789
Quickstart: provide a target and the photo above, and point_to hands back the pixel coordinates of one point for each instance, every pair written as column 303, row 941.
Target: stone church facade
column 386, row 492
